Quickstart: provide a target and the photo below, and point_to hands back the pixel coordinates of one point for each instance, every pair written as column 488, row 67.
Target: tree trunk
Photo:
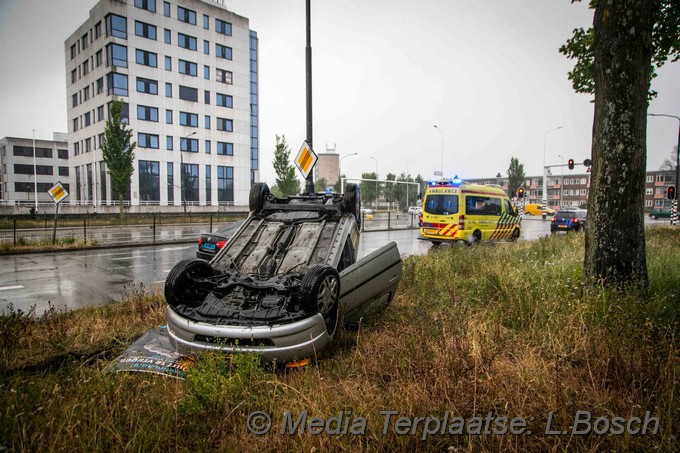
column 615, row 242
column 120, row 206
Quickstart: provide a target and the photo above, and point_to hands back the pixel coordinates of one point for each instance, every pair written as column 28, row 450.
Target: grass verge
column 506, row 329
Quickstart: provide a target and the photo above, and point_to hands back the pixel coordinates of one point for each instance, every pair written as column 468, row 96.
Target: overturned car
column 283, row 282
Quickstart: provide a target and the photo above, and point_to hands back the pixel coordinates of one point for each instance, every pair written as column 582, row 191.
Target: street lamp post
column 561, row 182
column 674, row 208
column 545, row 171
column 408, row 203
column 35, row 175
column 442, row 133
column 181, row 171
column 376, row 180
column 342, row 189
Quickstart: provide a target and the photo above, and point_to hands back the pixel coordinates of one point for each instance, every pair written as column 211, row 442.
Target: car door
column 374, row 276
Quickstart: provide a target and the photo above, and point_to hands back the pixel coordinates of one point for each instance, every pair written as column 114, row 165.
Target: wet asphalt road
column 97, row 277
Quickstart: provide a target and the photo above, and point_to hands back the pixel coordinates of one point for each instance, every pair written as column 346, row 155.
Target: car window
column 441, row 204
column 482, row 205
column 564, row 215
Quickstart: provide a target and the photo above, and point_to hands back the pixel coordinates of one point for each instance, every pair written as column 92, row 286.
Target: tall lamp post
column 545, row 171
column 376, row 180
column 408, row 203
column 181, row 171
column 342, row 189
column 562, row 182
column 35, row 174
column 674, row 209
column 442, row 133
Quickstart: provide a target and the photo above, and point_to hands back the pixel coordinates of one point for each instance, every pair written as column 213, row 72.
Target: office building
column 23, row 166
column 187, row 71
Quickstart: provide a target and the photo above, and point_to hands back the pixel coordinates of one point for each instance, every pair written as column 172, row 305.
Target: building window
column 76, row 148
column 186, row 15
column 207, row 122
column 98, row 58
column 168, row 116
column 116, row 84
column 208, row 146
column 206, row 47
column 147, row 140
column 188, row 94
column 147, row 86
column 100, row 113
column 188, row 119
column 116, row 26
column 74, row 76
column 650, row 178
column 146, row 58
column 167, row 36
column 87, row 118
column 206, row 97
column 223, row 76
column 186, row 41
column 25, row 169
column 75, row 124
column 649, row 191
column 146, row 113
column 171, row 183
column 168, row 90
column 189, row 145
column 187, row 67
column 63, row 171
column 74, row 100
column 145, row 30
column 100, row 85
column 190, row 181
column 62, row 153
column 86, row 67
column 168, row 63
column 225, row 184
column 116, row 55
column 208, row 184
column 649, row 203
column 225, row 100
column 84, row 41
column 222, row 27
column 225, row 149
column 73, row 51
column 169, row 143
column 149, row 5
column 98, row 30
column 224, row 124
column 166, row 9
column 206, row 22
column 149, row 181
column 206, row 72
column 223, row 51
column 27, row 151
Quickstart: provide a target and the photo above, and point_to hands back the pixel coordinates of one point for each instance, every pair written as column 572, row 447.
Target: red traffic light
column 520, row 192
column 670, row 193
column 570, row 164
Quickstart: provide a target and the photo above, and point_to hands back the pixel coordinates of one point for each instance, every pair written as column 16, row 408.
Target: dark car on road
column 283, row 282
column 569, row 220
column 660, row 214
column 211, row 243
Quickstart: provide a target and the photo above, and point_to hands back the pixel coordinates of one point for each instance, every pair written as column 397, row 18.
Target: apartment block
column 31, row 168
column 187, row 71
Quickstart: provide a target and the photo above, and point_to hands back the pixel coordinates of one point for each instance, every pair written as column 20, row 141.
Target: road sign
column 57, row 192
column 306, row 159
column 438, row 173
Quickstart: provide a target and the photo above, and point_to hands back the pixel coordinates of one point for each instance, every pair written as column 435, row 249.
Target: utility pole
column 309, row 185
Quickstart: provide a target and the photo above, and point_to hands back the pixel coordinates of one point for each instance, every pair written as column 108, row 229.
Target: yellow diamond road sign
column 305, row 160
column 57, row 192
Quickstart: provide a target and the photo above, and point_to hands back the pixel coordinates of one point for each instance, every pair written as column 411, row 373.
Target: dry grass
column 506, row 329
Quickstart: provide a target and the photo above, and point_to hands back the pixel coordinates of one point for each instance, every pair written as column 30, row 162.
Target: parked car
column 281, row 284
column 569, row 220
column 537, row 209
column 660, row 214
column 211, row 243
column 414, row 210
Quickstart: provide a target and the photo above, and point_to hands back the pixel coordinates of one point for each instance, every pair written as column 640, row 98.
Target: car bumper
column 280, row 343
column 205, row 255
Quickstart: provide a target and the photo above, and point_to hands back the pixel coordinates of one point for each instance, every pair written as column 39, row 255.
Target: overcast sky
column 487, row 72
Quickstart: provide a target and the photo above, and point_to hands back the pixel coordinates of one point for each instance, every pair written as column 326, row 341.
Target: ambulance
column 453, row 210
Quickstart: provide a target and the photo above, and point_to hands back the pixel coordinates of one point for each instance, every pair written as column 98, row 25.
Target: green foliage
column 515, row 176
column 118, row 151
column 370, row 190
column 665, row 41
column 286, row 181
column 320, row 185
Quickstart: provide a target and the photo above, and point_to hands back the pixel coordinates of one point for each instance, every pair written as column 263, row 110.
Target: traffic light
column 570, row 164
column 520, row 192
column 670, row 193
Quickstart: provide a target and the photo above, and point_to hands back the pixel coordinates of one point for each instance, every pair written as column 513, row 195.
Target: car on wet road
column 569, row 220
column 211, row 243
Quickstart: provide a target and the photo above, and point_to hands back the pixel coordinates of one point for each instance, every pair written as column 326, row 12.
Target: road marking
column 159, row 281
column 167, row 270
column 3, row 288
column 169, row 249
column 128, row 257
column 132, row 267
column 102, row 254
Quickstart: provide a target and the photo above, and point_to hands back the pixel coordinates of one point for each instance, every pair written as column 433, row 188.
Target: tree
column 117, row 151
column 337, row 187
column 320, row 185
column 627, row 37
column 286, row 181
column 670, row 162
column 515, row 176
column 370, row 190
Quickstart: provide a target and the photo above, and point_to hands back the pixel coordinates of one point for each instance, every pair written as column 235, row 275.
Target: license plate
column 208, row 246
column 562, row 226
column 435, row 232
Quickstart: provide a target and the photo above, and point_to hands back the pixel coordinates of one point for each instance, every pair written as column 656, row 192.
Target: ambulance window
column 508, row 207
column 482, row 205
column 441, row 204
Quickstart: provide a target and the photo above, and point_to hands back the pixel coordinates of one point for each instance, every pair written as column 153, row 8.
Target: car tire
column 475, row 238
column 652, row 216
column 351, row 202
column 515, row 235
column 179, row 288
column 321, row 294
column 258, row 195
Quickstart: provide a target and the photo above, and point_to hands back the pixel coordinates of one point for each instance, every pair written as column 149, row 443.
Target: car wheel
column 258, row 195
column 352, row 202
column 652, row 216
column 321, row 294
column 180, row 285
column 515, row 235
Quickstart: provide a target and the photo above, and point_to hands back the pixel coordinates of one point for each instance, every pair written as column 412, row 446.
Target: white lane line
column 128, row 257
column 132, row 267
column 3, row 288
column 176, row 248
column 101, row 254
column 167, row 270
column 159, row 281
